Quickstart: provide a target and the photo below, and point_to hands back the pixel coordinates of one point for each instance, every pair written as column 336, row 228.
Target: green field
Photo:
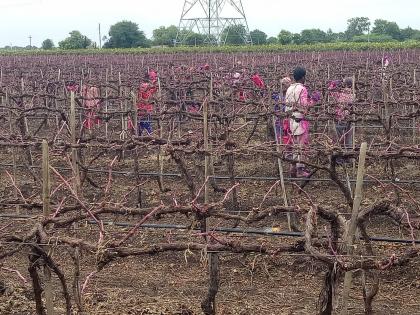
column 340, row 46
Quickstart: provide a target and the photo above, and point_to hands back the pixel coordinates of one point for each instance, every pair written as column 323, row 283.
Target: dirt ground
column 176, row 283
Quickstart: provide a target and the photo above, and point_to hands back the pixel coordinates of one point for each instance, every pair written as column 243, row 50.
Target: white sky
column 56, row 18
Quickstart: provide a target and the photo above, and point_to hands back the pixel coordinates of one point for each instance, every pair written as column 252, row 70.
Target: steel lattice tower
column 207, row 17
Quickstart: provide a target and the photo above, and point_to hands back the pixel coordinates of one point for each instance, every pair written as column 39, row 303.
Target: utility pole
column 100, row 37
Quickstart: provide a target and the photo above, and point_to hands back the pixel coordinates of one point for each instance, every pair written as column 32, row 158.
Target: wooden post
column 136, row 151
column 384, row 99
column 160, row 126
column 57, row 115
column 126, row 115
column 135, row 114
column 206, row 135
column 75, row 166
column 213, row 258
column 106, row 103
column 326, row 107
column 414, row 128
column 76, row 280
column 45, row 179
column 291, row 217
column 123, row 107
column 48, row 291
column 414, row 107
column 14, row 150
column 46, row 212
column 352, row 226
column 353, row 124
column 25, row 127
column 83, row 109
column 206, row 147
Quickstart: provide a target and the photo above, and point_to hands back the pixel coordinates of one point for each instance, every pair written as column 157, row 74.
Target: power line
column 220, row 177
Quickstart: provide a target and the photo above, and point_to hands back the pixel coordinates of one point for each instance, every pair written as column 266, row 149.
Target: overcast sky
column 56, row 18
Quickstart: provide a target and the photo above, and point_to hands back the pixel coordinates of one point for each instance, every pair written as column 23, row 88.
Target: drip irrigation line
column 155, row 119
column 181, row 234
column 268, row 231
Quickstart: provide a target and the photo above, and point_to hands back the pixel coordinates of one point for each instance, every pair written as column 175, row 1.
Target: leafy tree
column 296, row 39
column 285, row 37
column 47, row 44
column 195, row 39
column 331, row 36
column 407, row 33
column 410, row 34
column 258, row 37
column 357, row 26
column 341, row 37
column 234, row 34
column 210, row 39
column 272, row 41
column 313, row 36
column 374, row 38
column 384, row 27
column 75, row 41
column 125, row 34
column 165, row 35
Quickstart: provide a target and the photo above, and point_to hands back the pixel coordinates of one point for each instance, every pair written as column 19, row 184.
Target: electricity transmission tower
column 209, row 18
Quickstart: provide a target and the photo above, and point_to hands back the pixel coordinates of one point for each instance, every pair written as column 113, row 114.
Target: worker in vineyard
column 236, row 78
column 298, row 101
column 144, row 105
column 258, row 83
column 205, row 67
column 343, row 97
column 386, row 61
column 91, row 103
column 240, row 93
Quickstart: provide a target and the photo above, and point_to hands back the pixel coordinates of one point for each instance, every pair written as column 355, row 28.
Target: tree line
column 126, row 34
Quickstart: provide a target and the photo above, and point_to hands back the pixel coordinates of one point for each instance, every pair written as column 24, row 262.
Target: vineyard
column 205, row 214
column 338, row 46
